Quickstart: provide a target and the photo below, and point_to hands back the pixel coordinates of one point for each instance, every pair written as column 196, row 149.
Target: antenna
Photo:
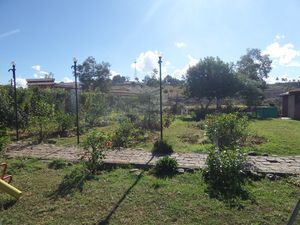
column 135, row 69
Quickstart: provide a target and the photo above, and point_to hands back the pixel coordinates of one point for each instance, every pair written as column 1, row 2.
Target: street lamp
column 13, row 64
column 160, row 98
column 76, row 94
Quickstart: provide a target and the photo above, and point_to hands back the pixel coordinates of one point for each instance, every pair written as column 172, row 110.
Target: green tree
column 93, row 75
column 211, row 78
column 252, row 69
column 118, row 79
column 254, row 65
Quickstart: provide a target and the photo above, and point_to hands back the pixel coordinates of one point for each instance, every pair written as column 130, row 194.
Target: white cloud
column 178, row 73
column 114, row 73
column 67, row 80
column 21, row 82
column 146, row 61
column 283, row 55
column 9, row 33
column 38, row 72
column 36, row 67
column 180, row 44
column 279, row 36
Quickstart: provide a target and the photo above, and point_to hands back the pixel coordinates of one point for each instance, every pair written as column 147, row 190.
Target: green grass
column 137, row 200
column 183, row 135
column 282, row 136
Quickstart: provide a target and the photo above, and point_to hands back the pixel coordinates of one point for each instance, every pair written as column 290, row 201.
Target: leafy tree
column 118, row 79
column 211, row 78
column 42, row 120
column 152, row 81
column 169, row 80
column 252, row 68
column 93, row 75
column 93, row 107
column 254, row 65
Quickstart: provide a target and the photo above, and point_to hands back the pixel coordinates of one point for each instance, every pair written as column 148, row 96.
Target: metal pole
column 76, row 96
column 15, row 99
column 160, row 97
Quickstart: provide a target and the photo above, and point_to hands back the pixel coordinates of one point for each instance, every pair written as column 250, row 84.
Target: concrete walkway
column 138, row 157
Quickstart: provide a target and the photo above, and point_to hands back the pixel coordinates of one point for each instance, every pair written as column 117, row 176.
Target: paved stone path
column 139, row 157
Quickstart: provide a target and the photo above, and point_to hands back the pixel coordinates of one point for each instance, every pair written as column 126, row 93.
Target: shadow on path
column 105, row 221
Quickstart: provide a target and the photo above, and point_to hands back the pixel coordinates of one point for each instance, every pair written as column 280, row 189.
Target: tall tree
column 93, row 75
column 118, row 79
column 252, row 69
column 212, row 78
column 254, row 65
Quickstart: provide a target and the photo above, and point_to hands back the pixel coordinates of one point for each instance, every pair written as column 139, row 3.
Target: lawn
column 120, row 197
column 282, row 136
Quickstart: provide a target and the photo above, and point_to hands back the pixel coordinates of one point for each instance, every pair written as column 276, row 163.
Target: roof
column 291, row 92
column 39, row 80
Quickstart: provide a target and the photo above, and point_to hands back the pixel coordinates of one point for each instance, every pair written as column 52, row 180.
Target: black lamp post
column 15, row 97
column 160, row 98
column 76, row 93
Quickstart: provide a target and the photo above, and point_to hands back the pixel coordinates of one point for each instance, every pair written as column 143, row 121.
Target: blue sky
column 44, row 36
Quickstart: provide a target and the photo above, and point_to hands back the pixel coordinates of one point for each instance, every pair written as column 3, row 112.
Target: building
column 41, row 82
column 48, row 82
column 291, row 104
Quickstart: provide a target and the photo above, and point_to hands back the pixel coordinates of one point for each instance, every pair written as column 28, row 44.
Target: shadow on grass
column 7, row 203
column 106, row 220
column 71, row 183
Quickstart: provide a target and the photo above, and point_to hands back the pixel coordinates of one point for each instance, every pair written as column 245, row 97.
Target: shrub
column 65, row 122
column 200, row 114
column 123, row 135
column 95, row 145
column 224, row 174
column 3, row 138
column 162, row 147
column 166, row 166
column 226, row 130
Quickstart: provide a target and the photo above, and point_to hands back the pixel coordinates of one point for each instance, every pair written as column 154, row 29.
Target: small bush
column 57, row 164
column 225, row 175
column 166, row 166
column 226, row 130
column 95, row 145
column 200, row 114
column 162, row 147
column 3, row 138
column 65, row 122
column 123, row 135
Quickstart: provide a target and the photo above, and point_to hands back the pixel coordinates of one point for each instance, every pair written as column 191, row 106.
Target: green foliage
column 254, row 65
column 212, row 78
column 93, row 75
column 226, row 130
column 95, row 145
column 42, row 121
column 162, row 147
column 4, row 139
column 224, row 174
column 58, row 164
column 200, row 113
column 124, row 134
column 72, row 182
column 252, row 68
column 93, row 107
column 166, row 166
column 65, row 122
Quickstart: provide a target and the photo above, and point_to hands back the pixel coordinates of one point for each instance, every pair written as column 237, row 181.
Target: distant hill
column 274, row 90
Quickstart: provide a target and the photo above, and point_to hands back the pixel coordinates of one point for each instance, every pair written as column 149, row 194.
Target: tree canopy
column 211, row 78
column 93, row 75
column 252, row 68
